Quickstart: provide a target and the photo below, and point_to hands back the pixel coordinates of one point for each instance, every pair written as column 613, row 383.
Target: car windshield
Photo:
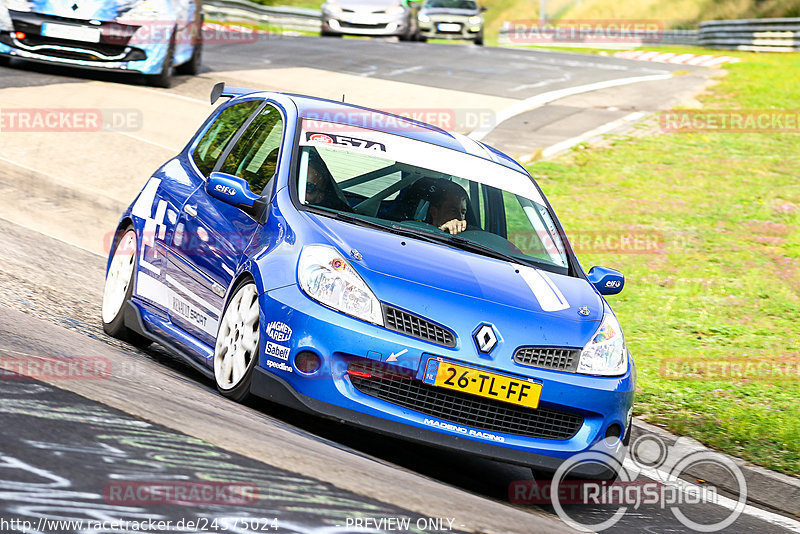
column 452, row 4
column 401, row 185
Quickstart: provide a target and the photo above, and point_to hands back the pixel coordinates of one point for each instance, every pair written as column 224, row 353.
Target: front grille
column 462, row 408
column 409, row 324
column 360, row 26
column 548, row 358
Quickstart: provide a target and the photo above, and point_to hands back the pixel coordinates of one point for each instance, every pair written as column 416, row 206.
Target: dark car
column 451, row 19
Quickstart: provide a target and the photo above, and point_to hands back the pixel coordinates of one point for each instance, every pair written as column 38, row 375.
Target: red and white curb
column 679, row 59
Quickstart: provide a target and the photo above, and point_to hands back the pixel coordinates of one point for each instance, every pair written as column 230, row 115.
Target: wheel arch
column 124, row 223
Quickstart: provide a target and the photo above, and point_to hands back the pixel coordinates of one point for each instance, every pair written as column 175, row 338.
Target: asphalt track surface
column 62, row 441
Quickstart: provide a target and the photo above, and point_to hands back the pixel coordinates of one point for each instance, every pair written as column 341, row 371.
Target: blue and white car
column 383, row 272
column 148, row 37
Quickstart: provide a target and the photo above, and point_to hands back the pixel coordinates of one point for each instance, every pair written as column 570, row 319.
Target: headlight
column 474, row 20
column 424, row 18
column 5, row 20
column 606, row 353
column 332, row 7
column 396, row 9
column 327, row 278
column 18, row 5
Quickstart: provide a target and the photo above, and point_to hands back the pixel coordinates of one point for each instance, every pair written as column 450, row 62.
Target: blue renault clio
column 365, row 267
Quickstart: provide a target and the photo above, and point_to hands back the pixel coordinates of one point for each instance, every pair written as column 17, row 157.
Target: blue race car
column 148, row 37
column 380, row 271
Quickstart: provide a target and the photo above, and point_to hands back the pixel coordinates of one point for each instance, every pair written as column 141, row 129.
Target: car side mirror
column 484, row 8
column 231, row 190
column 606, row 281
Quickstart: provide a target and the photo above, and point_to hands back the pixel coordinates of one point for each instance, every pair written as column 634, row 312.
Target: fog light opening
column 613, row 433
column 307, row 362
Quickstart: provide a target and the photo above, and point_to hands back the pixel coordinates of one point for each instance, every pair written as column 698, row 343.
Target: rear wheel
column 5, row 61
column 236, row 350
column 118, row 289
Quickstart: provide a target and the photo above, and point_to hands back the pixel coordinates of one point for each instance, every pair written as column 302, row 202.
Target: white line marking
column 561, row 146
column 725, row 502
column 404, row 71
column 172, row 150
column 486, row 127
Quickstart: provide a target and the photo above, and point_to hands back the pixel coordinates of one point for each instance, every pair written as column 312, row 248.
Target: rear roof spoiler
column 220, row 90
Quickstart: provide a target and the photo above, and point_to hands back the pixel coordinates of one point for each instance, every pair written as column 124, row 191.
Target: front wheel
column 236, row 350
column 5, row 61
column 164, row 78
column 119, row 289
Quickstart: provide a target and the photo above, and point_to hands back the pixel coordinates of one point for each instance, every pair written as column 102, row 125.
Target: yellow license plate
column 482, row 383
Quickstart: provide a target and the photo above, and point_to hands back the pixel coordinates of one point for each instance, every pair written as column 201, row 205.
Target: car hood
column 101, row 10
column 440, row 269
column 366, row 7
column 449, row 11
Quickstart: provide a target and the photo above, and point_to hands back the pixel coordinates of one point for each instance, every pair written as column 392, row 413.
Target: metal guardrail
column 660, row 37
column 289, row 18
column 759, row 35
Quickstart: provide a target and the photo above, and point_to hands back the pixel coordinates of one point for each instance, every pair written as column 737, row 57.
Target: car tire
column 236, row 348
column 5, row 61
column 164, row 78
column 118, row 289
column 479, row 40
column 192, row 67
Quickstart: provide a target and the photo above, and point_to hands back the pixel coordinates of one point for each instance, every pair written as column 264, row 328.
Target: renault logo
column 485, row 338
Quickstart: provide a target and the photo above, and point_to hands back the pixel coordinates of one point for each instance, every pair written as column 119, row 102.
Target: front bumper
column 339, row 340
column 451, row 28
column 117, row 48
column 373, row 25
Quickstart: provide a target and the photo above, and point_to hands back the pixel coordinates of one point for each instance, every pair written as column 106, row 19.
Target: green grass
column 726, row 283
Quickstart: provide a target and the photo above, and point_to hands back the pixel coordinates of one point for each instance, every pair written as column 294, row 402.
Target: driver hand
column 454, row 227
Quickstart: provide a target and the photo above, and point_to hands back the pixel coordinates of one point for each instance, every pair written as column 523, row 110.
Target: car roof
column 309, row 107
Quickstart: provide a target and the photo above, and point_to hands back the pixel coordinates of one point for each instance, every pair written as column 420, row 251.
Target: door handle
column 190, row 210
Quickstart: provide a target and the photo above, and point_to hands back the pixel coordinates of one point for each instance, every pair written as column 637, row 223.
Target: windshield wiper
column 394, row 229
column 344, row 216
column 458, row 242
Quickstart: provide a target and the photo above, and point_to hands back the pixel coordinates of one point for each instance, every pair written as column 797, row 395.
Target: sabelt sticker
column 345, row 140
column 277, row 351
column 279, row 331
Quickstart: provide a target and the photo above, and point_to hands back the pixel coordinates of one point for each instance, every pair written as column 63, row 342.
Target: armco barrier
column 289, row 18
column 759, row 35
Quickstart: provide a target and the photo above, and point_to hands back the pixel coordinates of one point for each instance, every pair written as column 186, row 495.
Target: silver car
column 451, row 19
column 370, row 17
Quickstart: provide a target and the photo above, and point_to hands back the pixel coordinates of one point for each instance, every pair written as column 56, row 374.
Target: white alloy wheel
column 237, row 340
column 120, row 276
